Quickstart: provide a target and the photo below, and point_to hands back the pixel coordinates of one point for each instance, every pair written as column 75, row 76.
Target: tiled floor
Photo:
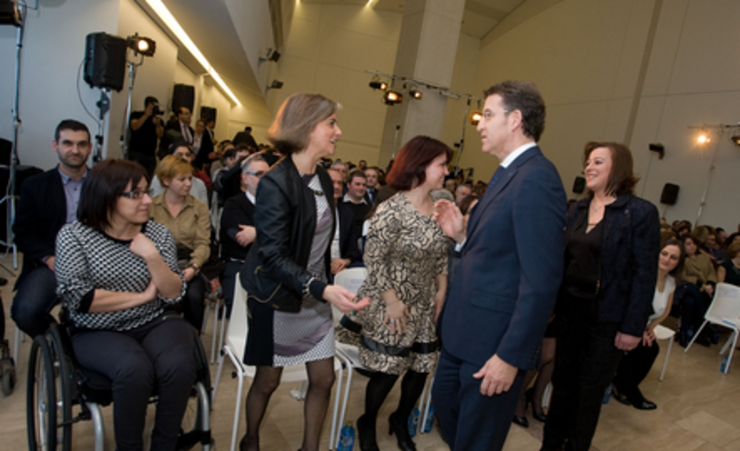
column 698, row 409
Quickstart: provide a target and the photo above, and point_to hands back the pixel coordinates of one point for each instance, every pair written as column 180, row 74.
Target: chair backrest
column 726, row 304
column 236, row 334
column 350, row 279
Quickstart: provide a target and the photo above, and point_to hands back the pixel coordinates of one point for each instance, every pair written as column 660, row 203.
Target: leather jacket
column 274, row 272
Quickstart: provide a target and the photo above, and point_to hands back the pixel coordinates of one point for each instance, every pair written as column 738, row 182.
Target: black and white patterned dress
column 87, row 259
column 309, row 334
column 405, row 251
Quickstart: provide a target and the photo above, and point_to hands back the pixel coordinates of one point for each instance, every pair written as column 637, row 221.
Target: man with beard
column 47, row 202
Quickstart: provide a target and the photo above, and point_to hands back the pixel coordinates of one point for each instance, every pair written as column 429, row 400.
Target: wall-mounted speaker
column 105, row 61
column 579, row 185
column 183, row 95
column 208, row 113
column 669, row 196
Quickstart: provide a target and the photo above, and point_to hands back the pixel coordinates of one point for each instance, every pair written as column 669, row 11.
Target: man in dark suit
column 245, row 137
column 504, row 290
column 371, row 184
column 47, row 202
column 344, row 249
column 176, row 131
column 237, row 225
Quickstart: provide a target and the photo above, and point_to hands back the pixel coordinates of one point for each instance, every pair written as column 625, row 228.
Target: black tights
column 380, row 385
column 267, row 379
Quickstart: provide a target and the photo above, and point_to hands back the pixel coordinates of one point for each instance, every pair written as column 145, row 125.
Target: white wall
column 328, row 50
column 587, row 56
column 54, row 47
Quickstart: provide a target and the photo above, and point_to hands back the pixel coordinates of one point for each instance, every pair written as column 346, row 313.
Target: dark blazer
column 285, row 219
column 238, row 210
column 348, row 233
column 206, row 147
column 41, row 213
column 511, row 267
column 629, row 260
column 172, row 134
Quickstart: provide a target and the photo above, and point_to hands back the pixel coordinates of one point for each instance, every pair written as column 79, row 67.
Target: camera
column 156, row 111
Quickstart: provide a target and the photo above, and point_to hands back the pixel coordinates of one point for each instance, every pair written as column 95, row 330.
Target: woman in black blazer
column 612, row 240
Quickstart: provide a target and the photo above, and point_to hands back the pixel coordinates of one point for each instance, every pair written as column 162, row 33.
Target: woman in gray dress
column 286, row 273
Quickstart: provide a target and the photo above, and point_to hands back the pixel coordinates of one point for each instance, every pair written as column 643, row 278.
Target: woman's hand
column 709, row 289
column 343, row 299
column 143, row 247
column 188, row 273
column 338, row 265
column 149, row 294
column 450, row 219
column 625, row 342
column 395, row 316
column 648, row 338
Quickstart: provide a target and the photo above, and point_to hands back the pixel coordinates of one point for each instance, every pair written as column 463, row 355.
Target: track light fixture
column 375, row 83
column 392, row 97
column 475, row 117
column 415, row 93
column 141, row 45
column 735, row 138
column 272, row 55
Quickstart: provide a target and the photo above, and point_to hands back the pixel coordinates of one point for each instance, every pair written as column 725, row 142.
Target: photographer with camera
column 146, row 128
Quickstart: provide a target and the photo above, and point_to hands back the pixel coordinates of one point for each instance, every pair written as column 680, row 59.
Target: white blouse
column 660, row 300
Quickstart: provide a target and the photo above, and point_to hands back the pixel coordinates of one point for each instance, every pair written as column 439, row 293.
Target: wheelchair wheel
column 8, row 381
column 66, row 385
column 195, row 427
column 41, row 412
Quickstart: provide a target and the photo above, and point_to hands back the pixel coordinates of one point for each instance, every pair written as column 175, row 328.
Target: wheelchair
column 56, row 384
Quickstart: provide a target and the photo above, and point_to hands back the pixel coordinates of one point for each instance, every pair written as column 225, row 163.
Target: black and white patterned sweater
column 87, row 259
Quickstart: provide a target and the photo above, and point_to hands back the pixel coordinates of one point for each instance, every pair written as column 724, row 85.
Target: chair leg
column 205, row 316
column 237, row 410
column 223, row 328
column 693, row 339
column 426, row 405
column 337, row 395
column 215, row 331
column 665, row 361
column 98, row 425
column 732, row 351
column 343, row 414
column 218, row 376
column 727, row 344
column 16, row 342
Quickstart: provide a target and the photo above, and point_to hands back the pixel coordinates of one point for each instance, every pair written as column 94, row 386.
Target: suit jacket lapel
column 498, row 187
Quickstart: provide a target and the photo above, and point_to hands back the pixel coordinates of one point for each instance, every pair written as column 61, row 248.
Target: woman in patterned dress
column 286, row 273
column 406, row 258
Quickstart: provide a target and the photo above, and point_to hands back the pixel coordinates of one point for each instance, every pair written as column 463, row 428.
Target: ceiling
column 479, row 18
column 213, row 30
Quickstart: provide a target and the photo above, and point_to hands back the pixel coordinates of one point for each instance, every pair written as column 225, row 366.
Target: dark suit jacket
column 511, row 267
column 238, row 210
column 206, row 147
column 41, row 213
column 348, row 233
column 172, row 134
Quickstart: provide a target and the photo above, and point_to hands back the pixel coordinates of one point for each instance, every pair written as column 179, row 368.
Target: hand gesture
column 648, row 337
column 188, row 273
column 150, row 293
column 497, row 376
column 143, row 247
column 450, row 219
column 245, row 235
column 343, row 299
column 626, row 342
column 395, row 316
column 338, row 265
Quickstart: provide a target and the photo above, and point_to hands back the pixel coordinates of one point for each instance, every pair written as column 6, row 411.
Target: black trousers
column 585, row 362
column 159, row 355
column 193, row 303
column 633, row 369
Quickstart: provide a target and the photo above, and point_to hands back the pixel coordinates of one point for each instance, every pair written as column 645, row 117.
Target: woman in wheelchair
column 116, row 271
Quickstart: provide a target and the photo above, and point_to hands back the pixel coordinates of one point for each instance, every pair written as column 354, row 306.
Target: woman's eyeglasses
column 136, row 194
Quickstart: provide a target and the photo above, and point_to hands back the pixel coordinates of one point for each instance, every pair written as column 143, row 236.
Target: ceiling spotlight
column 736, row 138
column 703, row 138
column 392, row 97
column 475, row 117
column 141, row 45
column 415, row 93
column 377, row 84
column 10, row 13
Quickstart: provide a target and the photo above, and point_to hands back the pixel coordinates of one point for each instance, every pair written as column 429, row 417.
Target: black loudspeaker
column 208, row 113
column 10, row 13
column 579, row 184
column 669, row 194
column 183, row 95
column 105, row 61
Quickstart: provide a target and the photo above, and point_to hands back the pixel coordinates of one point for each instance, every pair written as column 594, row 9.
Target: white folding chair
column 235, row 344
column 664, row 333
column 724, row 311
